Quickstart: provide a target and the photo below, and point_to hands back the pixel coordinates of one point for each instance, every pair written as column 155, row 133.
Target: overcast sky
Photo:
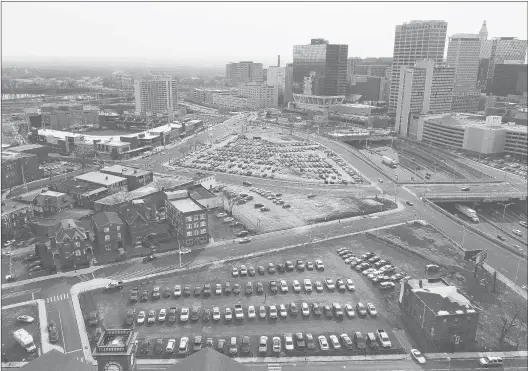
column 213, row 34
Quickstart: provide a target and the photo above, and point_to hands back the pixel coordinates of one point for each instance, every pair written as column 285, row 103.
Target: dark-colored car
column 206, row 315
column 289, row 266
column 246, row 346
column 129, row 319
column 360, row 340
column 310, row 343
column 220, row 345
column 281, row 268
column 207, row 290
column 156, row 293
column 261, row 270
column 227, row 288
column 328, row 311
column 144, row 295
column 260, row 288
column 144, row 347
column 251, row 271
column 167, row 292
column 195, row 313
column 187, row 290
column 197, row 345
column 271, row 268
column 197, row 290
column 53, row 332
column 299, row 339
column 236, row 288
column 158, row 347
column 93, row 319
column 172, row 314
column 133, row 296
column 300, row 265
column 340, row 285
column 310, row 265
column 316, row 309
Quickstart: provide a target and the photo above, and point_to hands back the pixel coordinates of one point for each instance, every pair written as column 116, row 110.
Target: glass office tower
column 328, row 61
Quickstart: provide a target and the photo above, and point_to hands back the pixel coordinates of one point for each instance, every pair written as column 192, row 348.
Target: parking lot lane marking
column 73, row 351
column 274, row 367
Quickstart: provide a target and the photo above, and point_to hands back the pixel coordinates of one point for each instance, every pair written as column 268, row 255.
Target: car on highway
column 517, row 232
column 465, row 189
column 409, row 203
column 418, row 356
column 323, row 343
column 500, row 237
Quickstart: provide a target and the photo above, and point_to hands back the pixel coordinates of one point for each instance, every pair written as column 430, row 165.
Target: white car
column 273, row 312
column 415, row 353
column 283, row 286
column 335, row 342
column 517, row 232
column 228, row 314
column 251, row 312
column 305, row 309
column 177, row 291
column 349, row 309
column 162, row 315
column 170, row 346
column 283, row 311
column 216, row 314
column 323, row 343
column 307, row 285
column 234, row 272
column 288, row 341
column 184, row 315
column 319, row 265
column 296, row 286
column 350, row 284
column 371, row 309
column 141, row 317
column 262, row 311
column 218, row 289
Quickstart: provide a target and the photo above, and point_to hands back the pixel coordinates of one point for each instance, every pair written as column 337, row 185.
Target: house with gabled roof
column 72, row 241
column 141, row 221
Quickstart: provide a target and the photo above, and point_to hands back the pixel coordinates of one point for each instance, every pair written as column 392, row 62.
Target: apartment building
column 19, row 168
column 244, row 71
column 111, row 182
column 282, row 79
column 414, row 41
column 136, row 178
column 265, row 96
column 465, row 99
column 425, row 88
column 156, row 94
column 189, row 219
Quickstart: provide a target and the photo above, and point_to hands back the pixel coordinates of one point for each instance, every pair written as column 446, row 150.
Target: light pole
column 449, row 361
column 504, row 212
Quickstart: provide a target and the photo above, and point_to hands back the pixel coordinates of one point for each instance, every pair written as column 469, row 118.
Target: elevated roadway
column 484, row 192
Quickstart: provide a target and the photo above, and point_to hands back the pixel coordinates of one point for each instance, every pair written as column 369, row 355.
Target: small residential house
column 109, row 232
column 141, row 220
column 72, row 242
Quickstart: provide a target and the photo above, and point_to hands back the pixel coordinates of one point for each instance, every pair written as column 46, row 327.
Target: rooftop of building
column 439, row 295
column 200, row 193
column 106, row 218
column 167, row 127
column 49, row 193
column 125, row 170
column 465, row 36
column 470, row 120
column 9, row 207
column 11, row 156
column 100, row 178
column 74, row 213
column 186, row 205
column 73, row 185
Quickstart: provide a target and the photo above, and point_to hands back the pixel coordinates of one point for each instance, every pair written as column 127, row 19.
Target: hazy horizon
column 213, row 34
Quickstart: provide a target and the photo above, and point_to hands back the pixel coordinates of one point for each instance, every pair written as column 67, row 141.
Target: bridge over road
column 485, row 192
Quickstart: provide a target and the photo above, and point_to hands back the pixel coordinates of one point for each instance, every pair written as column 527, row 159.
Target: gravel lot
column 14, row 351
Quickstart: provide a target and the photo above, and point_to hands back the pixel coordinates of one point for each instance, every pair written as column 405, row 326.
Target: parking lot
column 15, row 352
column 267, row 154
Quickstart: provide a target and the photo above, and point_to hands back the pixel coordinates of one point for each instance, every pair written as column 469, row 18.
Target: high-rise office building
column 496, row 51
column 463, row 53
column 244, row 72
column 327, row 61
column 282, row 79
column 156, row 94
column 509, row 78
column 414, row 41
column 425, row 88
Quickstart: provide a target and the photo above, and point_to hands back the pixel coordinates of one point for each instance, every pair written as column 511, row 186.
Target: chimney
column 106, row 177
column 421, row 284
column 278, row 60
column 53, row 243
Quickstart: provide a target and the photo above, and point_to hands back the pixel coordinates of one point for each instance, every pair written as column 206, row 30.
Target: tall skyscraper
column 244, row 71
column 463, row 53
column 327, row 61
column 425, row 88
column 156, row 94
column 413, row 41
column 497, row 51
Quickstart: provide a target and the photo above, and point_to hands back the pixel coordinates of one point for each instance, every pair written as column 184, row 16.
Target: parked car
column 418, row 356
column 53, row 332
column 25, row 319
column 361, row 310
column 277, row 345
column 323, row 343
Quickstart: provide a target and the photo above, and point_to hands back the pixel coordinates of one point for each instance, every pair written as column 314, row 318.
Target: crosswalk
column 55, row 298
column 274, row 367
column 85, row 277
column 19, row 293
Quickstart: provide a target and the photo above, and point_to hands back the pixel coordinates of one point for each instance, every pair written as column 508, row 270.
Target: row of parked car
column 273, row 197
column 287, row 266
column 273, row 311
column 270, row 344
column 378, row 270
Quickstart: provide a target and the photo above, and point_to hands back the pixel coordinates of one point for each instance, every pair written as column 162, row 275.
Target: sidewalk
column 301, row 229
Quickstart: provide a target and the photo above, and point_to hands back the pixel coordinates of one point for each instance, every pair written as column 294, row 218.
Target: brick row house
column 188, row 218
column 109, row 232
column 72, row 242
column 141, row 221
column 15, row 216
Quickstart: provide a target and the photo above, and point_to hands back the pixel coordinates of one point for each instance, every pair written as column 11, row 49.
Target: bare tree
column 229, row 200
column 162, row 184
column 510, row 322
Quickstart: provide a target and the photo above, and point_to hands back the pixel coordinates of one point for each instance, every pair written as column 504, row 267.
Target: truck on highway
column 389, row 162
column 25, row 340
column 467, row 211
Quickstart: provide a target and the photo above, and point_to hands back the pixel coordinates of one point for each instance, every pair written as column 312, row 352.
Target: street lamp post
column 449, row 362
column 504, row 212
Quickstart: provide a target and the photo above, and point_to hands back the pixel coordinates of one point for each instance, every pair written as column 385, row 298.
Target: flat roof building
column 112, row 182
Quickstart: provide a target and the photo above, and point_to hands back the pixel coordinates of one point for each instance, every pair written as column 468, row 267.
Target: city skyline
column 232, row 33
